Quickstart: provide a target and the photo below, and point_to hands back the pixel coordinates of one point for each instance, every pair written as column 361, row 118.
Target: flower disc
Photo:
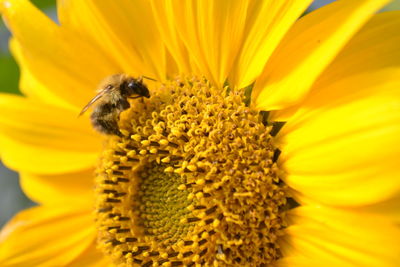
column 192, row 182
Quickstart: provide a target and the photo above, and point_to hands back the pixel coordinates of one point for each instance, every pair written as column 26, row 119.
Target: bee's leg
column 123, row 104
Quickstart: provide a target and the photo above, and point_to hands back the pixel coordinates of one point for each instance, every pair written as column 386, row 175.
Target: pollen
column 192, row 182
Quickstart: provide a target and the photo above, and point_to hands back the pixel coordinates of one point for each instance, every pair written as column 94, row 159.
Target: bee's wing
column 97, row 97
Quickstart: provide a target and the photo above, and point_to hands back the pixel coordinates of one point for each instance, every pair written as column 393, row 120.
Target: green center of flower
column 192, row 182
column 162, row 206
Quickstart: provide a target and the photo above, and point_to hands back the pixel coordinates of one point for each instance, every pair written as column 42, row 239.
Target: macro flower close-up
column 204, row 133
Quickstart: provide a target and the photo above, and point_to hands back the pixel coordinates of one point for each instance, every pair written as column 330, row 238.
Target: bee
column 111, row 99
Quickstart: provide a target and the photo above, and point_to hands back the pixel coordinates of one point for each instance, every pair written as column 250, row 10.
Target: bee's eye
column 131, row 85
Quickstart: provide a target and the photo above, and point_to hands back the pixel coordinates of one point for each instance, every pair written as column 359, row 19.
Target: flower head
column 266, row 140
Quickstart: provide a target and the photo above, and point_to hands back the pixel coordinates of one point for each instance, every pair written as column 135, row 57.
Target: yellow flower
column 199, row 178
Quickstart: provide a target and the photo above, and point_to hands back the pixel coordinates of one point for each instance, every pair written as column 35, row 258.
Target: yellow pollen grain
column 192, row 182
column 164, row 142
column 136, row 137
column 169, row 169
column 166, row 160
column 200, row 182
column 182, row 187
column 192, row 167
column 145, row 142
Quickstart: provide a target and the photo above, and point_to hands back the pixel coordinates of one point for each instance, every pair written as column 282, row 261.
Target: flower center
column 162, row 206
column 192, row 182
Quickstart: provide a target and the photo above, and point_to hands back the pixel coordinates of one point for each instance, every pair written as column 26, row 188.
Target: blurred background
column 12, row 199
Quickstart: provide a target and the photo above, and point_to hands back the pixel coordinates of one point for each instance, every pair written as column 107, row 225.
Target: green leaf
column 42, row 4
column 9, row 75
column 395, row 5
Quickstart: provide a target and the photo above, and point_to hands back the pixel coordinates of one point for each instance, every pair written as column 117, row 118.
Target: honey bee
column 112, row 99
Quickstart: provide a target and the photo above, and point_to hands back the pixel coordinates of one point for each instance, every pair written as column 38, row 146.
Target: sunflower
column 268, row 139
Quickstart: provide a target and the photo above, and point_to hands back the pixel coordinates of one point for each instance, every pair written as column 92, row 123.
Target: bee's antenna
column 148, row 78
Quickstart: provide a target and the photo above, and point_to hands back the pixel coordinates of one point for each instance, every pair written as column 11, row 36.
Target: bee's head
column 136, row 87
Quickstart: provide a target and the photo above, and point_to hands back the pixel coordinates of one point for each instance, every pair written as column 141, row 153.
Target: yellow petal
column 307, row 49
column 374, row 47
column 166, row 23
column 210, row 30
column 124, row 29
column 390, row 208
column 341, row 147
column 267, row 22
column 44, row 236
column 302, row 261
column 66, row 64
column 92, row 257
column 30, row 86
column 45, row 139
column 60, row 189
column 340, row 238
